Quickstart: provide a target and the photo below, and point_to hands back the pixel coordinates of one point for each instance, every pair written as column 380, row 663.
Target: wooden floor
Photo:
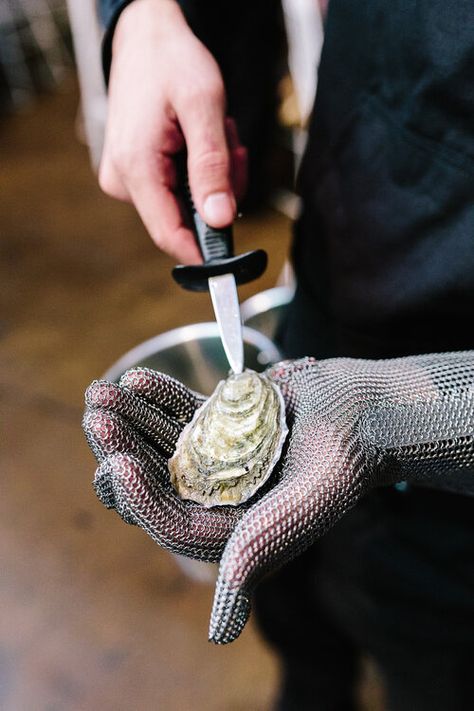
column 93, row 616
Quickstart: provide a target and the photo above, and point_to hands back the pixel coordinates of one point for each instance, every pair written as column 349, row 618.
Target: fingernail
column 219, row 209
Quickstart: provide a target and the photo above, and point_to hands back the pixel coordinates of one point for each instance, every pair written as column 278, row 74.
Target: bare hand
column 166, row 92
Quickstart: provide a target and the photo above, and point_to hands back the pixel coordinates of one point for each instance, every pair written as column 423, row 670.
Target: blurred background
column 93, row 614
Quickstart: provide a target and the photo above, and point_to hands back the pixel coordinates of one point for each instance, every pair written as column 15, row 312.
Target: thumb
column 209, row 160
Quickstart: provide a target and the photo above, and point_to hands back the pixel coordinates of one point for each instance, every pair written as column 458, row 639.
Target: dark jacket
column 385, row 246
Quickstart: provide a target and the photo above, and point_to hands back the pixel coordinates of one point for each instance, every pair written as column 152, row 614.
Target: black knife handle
column 216, row 245
column 213, row 243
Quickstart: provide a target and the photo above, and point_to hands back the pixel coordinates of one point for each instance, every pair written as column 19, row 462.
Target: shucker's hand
column 166, row 92
column 354, row 425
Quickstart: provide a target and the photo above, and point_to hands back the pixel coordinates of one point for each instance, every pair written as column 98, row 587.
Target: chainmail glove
column 354, row 424
column 132, row 428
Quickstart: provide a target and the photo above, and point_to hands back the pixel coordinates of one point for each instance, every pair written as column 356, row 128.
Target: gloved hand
column 354, row 424
column 132, row 428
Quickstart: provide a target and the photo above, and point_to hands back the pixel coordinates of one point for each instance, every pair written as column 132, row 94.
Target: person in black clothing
column 384, row 259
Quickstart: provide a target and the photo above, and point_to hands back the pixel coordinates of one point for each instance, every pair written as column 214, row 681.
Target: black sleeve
column 108, row 10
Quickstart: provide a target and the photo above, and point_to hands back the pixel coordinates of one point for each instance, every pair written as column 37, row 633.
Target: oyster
column 228, row 450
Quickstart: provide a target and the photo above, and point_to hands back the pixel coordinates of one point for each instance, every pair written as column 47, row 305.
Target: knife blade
column 220, row 273
column 225, row 301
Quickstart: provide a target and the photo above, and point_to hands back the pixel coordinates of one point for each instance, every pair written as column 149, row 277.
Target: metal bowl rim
column 186, row 334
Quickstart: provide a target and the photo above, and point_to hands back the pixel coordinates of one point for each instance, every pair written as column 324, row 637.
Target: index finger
column 162, row 390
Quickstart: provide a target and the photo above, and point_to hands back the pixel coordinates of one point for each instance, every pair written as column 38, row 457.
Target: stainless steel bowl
column 264, row 311
column 195, row 356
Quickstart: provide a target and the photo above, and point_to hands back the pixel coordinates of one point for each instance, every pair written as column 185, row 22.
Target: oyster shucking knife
column 220, row 273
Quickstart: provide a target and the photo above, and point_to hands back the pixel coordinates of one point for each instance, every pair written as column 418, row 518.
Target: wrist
column 144, row 17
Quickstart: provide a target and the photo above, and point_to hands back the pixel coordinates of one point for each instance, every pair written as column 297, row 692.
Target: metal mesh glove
column 354, row 424
column 132, row 428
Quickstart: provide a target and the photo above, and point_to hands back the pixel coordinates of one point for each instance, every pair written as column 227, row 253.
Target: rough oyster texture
column 228, row 450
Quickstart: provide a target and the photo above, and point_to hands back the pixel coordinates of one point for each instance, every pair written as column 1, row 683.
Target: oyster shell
column 228, row 450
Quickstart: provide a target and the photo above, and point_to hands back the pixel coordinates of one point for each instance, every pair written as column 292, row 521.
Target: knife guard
column 216, row 246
